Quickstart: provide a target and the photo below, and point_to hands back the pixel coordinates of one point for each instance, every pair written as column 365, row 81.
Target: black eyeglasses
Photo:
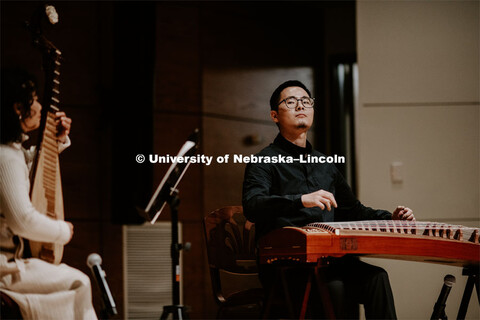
column 292, row 102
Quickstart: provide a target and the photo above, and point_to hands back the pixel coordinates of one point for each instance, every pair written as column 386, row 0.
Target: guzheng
column 395, row 239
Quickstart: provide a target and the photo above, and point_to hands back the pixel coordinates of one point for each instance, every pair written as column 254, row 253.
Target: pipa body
column 46, row 192
column 46, row 188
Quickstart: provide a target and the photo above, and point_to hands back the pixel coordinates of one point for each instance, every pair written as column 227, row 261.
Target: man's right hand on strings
column 320, row 198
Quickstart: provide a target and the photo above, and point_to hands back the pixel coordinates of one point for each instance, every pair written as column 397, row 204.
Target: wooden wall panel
column 244, row 93
column 223, row 181
column 177, row 72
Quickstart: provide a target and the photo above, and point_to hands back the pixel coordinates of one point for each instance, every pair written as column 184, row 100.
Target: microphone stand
column 439, row 308
column 178, row 311
column 105, row 313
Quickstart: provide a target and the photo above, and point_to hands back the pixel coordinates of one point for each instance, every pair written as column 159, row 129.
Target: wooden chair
column 231, row 255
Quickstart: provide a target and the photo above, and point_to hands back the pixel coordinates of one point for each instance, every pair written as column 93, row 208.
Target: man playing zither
column 295, row 194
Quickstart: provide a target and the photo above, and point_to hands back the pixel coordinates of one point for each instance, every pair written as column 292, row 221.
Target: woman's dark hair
column 276, row 94
column 18, row 86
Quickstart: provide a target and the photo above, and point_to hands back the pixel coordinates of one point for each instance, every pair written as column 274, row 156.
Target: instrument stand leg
column 473, row 280
column 286, row 292
column 281, row 280
column 178, row 311
column 323, row 288
column 306, row 297
column 316, row 278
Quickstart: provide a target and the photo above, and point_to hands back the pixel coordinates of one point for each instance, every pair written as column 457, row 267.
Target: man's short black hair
column 276, row 94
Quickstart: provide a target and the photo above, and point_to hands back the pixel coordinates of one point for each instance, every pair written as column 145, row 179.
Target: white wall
column 419, row 67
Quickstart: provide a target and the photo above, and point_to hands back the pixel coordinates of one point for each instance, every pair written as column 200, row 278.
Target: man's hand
column 64, row 124
column 320, row 198
column 403, row 213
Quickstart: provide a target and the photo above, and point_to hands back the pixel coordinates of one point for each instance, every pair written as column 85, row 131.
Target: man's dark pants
column 350, row 282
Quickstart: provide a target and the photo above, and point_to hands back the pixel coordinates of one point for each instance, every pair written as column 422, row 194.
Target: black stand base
column 178, row 312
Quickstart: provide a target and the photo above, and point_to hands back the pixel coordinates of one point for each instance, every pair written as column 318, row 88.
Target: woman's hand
column 64, row 125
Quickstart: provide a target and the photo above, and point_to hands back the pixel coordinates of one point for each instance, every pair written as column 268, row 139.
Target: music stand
column 167, row 193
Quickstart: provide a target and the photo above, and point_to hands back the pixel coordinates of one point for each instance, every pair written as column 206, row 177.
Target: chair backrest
column 230, row 240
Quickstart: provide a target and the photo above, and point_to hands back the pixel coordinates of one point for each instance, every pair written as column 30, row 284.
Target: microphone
column 439, row 309
column 93, row 262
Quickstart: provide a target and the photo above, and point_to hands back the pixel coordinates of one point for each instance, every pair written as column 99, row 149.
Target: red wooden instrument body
column 417, row 241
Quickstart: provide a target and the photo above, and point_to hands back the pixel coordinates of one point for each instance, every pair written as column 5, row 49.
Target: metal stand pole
column 178, row 311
